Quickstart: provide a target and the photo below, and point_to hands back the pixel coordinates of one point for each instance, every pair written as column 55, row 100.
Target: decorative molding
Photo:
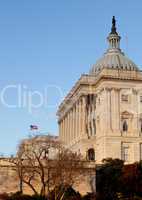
column 126, row 115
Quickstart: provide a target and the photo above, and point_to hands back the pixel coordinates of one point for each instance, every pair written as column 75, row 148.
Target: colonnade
column 72, row 125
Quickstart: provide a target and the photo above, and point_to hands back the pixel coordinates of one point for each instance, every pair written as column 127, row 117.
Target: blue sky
column 49, row 44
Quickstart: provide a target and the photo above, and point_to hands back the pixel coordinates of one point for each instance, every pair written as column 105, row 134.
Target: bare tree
column 43, row 161
column 69, row 168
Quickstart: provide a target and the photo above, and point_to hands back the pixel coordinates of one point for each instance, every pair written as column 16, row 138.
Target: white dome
column 114, row 58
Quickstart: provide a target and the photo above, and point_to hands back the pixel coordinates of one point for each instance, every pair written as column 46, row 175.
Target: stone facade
column 101, row 116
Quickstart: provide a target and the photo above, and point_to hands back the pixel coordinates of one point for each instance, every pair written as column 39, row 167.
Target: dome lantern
column 114, row 38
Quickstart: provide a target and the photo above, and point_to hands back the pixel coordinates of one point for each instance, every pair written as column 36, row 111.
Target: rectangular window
column 125, row 152
column 124, row 98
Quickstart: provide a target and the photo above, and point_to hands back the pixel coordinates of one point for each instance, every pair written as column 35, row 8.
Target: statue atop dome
column 113, row 21
column 113, row 28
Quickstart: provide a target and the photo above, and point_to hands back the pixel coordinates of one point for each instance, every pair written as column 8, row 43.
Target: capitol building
column 101, row 117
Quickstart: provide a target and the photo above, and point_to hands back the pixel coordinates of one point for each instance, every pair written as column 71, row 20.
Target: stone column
column 67, row 129
column 84, row 134
column 79, row 115
column 71, row 126
column 60, row 129
column 115, row 115
column 108, row 110
column 75, row 135
column 113, row 110
column 117, row 109
column 93, row 116
column 135, row 121
column 89, row 117
column 63, row 130
column 78, row 120
column 73, row 123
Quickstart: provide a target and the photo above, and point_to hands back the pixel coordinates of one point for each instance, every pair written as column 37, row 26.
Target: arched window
column 125, row 126
column 91, row 154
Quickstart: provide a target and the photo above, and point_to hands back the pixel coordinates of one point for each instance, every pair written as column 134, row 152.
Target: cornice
column 91, row 80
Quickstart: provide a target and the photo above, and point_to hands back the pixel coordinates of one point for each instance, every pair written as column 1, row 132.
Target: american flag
column 33, row 127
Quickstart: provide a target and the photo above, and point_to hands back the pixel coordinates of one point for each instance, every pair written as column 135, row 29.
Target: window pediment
column 126, row 115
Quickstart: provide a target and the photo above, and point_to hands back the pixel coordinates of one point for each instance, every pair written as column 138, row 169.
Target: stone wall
column 8, row 179
column 9, row 182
